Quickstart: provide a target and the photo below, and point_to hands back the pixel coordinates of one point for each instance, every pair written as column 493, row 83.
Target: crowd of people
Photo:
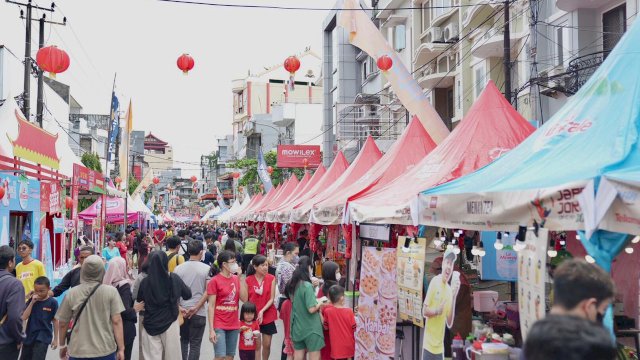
column 175, row 284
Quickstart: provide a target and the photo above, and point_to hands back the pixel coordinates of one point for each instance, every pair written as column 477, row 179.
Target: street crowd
column 175, row 283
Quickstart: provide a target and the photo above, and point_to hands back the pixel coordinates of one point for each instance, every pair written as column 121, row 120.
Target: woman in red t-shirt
column 260, row 289
column 224, row 292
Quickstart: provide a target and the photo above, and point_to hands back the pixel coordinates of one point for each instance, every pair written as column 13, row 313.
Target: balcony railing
column 581, row 68
column 357, row 121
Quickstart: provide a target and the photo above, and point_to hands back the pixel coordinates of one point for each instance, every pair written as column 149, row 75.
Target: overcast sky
column 140, row 40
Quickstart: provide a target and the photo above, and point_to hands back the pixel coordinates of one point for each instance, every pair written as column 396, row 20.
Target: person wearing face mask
column 224, row 292
column 260, row 288
column 286, row 266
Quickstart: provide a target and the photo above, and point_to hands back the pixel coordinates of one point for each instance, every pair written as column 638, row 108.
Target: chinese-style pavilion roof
column 35, row 144
column 151, row 141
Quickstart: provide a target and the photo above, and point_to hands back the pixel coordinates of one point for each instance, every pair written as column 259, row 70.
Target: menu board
column 410, row 278
column 377, row 305
column 532, row 274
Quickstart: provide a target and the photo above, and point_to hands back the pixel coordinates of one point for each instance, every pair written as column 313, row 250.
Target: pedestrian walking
column 118, row 277
column 340, row 322
column 144, row 244
column 249, row 332
column 11, row 306
column 195, row 275
column 72, row 278
column 330, row 277
column 139, row 306
column 286, row 266
column 110, row 251
column 42, row 327
column 160, row 292
column 250, row 246
column 224, row 295
column 285, row 316
column 96, row 313
column 260, row 287
column 173, row 252
column 306, row 326
column 29, row 269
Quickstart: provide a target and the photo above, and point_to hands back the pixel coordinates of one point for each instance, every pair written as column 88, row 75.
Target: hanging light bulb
column 506, row 235
column 577, row 236
column 628, row 250
column 456, row 250
column 481, row 251
column 636, row 240
column 552, row 249
column 590, row 259
column 475, row 251
column 456, row 234
column 498, row 244
column 437, row 242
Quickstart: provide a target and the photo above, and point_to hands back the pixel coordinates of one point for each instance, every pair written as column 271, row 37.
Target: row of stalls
column 509, row 199
column 41, row 184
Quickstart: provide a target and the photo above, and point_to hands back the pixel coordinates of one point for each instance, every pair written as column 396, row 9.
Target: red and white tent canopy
column 281, row 214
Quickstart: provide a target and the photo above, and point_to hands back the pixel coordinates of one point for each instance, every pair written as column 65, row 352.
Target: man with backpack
column 11, row 306
column 173, row 252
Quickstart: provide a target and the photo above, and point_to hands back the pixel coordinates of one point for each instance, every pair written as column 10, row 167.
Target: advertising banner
column 532, row 274
column 50, row 197
column 500, row 265
column 58, row 226
column 411, row 257
column 377, row 305
column 292, row 156
column 88, row 179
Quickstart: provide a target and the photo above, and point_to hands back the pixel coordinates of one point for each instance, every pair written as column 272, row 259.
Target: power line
column 277, row 7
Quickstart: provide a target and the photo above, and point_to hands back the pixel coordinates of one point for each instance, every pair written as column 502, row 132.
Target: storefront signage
column 88, row 179
column 377, row 305
column 410, row 274
column 532, row 274
column 22, row 196
column 293, row 156
column 58, row 226
column 376, row 232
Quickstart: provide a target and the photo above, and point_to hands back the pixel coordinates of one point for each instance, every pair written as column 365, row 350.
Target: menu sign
column 411, row 257
column 532, row 275
column 377, row 305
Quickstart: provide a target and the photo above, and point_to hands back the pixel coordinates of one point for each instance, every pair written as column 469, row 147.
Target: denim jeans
column 35, row 351
column 191, row 337
column 227, row 343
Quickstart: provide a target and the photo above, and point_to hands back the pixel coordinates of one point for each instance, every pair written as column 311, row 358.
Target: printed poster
column 500, row 265
column 410, row 279
column 532, row 274
column 377, row 305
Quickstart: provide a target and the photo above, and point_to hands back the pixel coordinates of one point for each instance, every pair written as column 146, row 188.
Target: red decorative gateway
column 384, row 62
column 35, row 144
column 185, row 63
column 292, row 64
column 53, row 60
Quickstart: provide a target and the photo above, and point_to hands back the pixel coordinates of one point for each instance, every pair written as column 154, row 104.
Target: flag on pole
column 124, row 147
column 114, row 126
column 147, row 179
column 220, row 199
column 263, row 173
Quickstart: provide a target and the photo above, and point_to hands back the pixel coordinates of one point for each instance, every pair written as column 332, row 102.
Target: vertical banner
column 377, row 305
column 47, row 257
column 114, row 126
column 532, row 274
column 498, row 264
column 263, row 173
column 410, row 274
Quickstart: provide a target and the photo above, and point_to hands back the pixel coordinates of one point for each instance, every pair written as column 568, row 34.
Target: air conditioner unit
column 436, row 34
column 451, row 32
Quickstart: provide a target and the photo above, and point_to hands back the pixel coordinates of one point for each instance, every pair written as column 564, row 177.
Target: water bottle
column 457, row 348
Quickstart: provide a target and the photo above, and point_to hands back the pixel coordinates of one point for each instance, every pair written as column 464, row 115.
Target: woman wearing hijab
column 160, row 292
column 118, row 277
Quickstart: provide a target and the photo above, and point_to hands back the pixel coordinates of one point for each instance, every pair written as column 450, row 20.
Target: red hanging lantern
column 292, row 64
column 118, row 180
column 240, row 188
column 269, row 170
column 2, row 192
column 305, row 162
column 68, row 202
column 53, row 60
column 185, row 63
column 194, row 179
column 156, row 180
column 236, row 175
column 384, row 62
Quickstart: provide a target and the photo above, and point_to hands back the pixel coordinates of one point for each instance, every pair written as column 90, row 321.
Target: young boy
column 341, row 323
column 40, row 313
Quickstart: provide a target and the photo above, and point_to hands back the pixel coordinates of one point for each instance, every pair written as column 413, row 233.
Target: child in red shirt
column 285, row 315
column 341, row 323
column 249, row 331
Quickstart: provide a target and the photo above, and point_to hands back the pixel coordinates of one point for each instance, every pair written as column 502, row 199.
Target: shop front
column 20, row 211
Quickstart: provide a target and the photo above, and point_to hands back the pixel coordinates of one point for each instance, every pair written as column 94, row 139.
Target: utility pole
column 40, row 101
column 26, row 97
column 507, row 53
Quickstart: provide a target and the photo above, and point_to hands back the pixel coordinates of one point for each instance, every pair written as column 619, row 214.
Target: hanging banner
column 411, row 257
column 293, row 156
column 500, row 265
column 114, row 125
column 532, row 275
column 377, row 305
column 47, row 257
column 50, row 197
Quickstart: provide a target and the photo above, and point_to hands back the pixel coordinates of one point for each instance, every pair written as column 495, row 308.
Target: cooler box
column 485, row 301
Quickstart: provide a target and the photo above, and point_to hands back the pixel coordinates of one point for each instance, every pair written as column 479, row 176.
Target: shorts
column 426, row 355
column 313, row 342
column 227, row 343
column 288, row 346
column 269, row 329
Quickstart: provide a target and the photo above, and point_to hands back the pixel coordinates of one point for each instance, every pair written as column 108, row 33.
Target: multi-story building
column 266, row 106
column 157, row 153
column 89, row 133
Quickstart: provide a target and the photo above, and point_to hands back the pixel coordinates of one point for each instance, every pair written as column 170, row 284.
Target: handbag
column 75, row 320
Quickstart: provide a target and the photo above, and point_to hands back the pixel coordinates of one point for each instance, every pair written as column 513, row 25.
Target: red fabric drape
column 346, row 233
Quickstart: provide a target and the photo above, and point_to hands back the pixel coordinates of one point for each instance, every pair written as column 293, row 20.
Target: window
column 368, row 67
column 614, row 24
column 479, row 79
column 559, row 46
column 425, row 16
column 458, row 93
column 399, row 37
column 334, row 47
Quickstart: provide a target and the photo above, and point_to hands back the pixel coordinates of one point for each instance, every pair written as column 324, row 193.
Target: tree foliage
column 133, row 184
column 91, row 161
column 249, row 169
